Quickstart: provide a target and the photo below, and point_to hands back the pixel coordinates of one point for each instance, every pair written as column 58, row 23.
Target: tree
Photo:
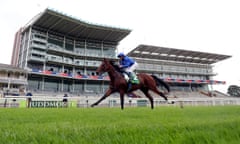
column 234, row 90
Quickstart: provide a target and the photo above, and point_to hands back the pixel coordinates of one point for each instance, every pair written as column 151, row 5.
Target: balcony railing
column 38, row 46
column 94, row 77
column 13, row 80
column 42, row 59
column 39, row 39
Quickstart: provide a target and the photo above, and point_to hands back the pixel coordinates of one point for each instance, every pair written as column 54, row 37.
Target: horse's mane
column 115, row 66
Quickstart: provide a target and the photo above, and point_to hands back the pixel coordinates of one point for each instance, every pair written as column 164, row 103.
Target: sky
column 200, row 25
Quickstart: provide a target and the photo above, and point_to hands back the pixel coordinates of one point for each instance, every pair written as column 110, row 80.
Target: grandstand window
column 67, row 60
column 166, row 68
column 55, row 41
column 159, row 67
column 80, row 44
column 79, row 62
column 93, row 86
column 52, row 84
column 109, row 51
column 34, row 83
column 38, row 51
column 39, row 36
column 94, row 45
column 80, row 51
column 37, row 56
column 38, row 43
column 54, row 58
column 149, row 66
column 78, row 86
column 93, row 52
column 67, row 85
column 69, row 45
column 109, row 46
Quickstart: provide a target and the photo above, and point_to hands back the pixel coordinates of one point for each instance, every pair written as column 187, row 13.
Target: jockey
column 128, row 65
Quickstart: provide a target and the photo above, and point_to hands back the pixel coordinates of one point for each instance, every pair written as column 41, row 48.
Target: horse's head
column 104, row 67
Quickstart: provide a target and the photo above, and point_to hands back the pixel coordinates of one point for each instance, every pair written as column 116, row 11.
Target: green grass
column 166, row 125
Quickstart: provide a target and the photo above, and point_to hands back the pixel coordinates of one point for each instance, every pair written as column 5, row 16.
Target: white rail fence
column 84, row 102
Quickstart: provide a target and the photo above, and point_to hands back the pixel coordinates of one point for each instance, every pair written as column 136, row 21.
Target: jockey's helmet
column 121, row 54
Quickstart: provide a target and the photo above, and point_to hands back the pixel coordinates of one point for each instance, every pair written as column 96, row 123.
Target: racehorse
column 119, row 84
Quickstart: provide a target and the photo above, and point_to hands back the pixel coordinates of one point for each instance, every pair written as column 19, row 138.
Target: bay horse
column 119, row 84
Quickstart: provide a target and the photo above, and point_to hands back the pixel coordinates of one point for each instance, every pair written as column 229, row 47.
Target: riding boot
column 129, row 86
column 133, row 78
column 130, row 76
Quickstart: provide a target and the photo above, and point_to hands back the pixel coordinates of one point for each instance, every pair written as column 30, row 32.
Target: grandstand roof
column 163, row 53
column 52, row 20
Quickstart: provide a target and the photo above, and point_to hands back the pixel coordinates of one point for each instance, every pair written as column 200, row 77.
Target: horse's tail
column 161, row 82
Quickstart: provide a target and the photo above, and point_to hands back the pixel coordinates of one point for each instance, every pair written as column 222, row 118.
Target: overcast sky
column 199, row 25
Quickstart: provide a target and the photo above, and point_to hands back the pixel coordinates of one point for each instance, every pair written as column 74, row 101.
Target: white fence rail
column 83, row 102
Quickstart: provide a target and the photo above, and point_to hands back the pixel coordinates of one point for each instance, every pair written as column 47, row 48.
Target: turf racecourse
column 163, row 125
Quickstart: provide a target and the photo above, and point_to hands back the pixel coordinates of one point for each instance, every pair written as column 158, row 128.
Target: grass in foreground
column 215, row 125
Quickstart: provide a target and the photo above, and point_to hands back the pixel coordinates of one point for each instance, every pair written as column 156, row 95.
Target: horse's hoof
column 170, row 102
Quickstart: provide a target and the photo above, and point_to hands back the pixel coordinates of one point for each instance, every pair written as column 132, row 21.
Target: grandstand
column 60, row 55
column 184, row 70
column 13, row 80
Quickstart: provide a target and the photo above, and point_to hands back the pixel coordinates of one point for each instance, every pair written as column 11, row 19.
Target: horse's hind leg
column 145, row 91
column 159, row 93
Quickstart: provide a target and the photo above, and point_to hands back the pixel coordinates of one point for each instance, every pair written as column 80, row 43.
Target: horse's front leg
column 109, row 91
column 122, row 99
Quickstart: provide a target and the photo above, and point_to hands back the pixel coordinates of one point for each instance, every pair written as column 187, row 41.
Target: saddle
column 130, row 78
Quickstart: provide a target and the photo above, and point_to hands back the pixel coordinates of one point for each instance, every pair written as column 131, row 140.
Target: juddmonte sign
column 50, row 104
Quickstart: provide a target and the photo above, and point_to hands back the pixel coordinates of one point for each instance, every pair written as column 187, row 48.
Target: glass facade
column 181, row 76
column 56, row 62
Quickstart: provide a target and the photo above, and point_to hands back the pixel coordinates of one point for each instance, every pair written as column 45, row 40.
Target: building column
column 62, row 84
column 73, row 85
column 28, row 47
column 73, row 72
column 62, row 68
column 43, row 83
column 44, row 66
column 85, row 86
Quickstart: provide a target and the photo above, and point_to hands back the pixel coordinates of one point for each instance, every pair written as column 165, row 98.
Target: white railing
column 86, row 101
